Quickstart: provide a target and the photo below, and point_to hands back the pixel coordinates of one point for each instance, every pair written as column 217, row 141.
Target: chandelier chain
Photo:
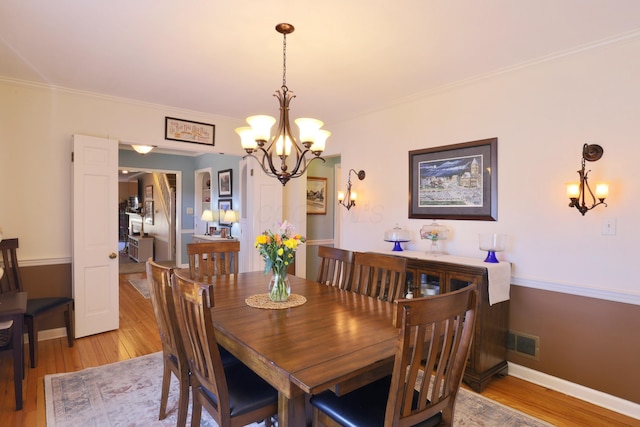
column 284, row 62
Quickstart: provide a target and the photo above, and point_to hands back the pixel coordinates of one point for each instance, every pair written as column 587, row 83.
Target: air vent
column 524, row 344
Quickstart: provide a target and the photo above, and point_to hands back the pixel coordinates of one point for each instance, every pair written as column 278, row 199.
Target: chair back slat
column 213, row 259
column 433, row 348
column 380, row 276
column 336, row 267
column 11, row 281
column 194, row 303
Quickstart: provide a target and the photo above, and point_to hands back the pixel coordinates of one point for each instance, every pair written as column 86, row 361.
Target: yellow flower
column 280, row 251
column 261, row 239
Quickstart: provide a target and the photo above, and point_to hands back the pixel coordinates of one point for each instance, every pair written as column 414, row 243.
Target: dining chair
column 174, row 356
column 36, row 307
column 379, row 275
column 336, row 267
column 209, row 259
column 233, row 395
column 431, row 354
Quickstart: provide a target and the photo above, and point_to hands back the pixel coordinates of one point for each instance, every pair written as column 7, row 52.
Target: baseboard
column 48, row 334
column 578, row 391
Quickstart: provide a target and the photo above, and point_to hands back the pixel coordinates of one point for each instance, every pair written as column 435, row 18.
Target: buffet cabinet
column 435, row 275
column 140, row 248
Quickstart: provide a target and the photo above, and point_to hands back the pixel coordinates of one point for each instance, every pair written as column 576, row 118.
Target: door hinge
column 72, row 157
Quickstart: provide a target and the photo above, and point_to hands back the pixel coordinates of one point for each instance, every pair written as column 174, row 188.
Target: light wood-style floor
column 138, row 336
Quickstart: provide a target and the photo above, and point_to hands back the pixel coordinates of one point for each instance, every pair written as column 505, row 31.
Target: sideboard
column 431, row 275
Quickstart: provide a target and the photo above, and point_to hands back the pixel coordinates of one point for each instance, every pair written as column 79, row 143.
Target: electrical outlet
column 609, row 227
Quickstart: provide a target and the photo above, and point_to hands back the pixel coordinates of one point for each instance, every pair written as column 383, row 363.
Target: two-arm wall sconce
column 576, row 190
column 350, row 196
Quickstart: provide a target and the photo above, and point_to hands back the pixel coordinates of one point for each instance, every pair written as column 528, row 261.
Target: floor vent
column 524, row 344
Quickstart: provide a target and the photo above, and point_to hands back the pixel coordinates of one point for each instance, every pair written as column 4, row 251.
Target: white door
column 260, row 210
column 95, row 234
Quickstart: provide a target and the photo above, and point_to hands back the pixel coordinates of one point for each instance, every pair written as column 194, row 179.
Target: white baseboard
column 578, row 391
column 48, row 334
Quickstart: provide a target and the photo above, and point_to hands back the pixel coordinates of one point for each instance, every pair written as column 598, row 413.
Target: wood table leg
column 291, row 412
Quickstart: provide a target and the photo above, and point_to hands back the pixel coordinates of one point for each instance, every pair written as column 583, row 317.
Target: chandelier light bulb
column 261, row 126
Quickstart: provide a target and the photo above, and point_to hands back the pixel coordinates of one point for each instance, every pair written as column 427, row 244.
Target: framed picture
column 457, row 181
column 148, row 192
column 316, row 195
column 224, row 205
column 225, row 184
column 188, row 131
column 148, row 212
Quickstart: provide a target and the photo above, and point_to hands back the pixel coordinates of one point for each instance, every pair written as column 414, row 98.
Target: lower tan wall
column 48, row 281
column 583, row 340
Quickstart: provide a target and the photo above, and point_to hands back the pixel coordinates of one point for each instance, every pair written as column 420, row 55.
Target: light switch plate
column 609, row 227
column 189, row 211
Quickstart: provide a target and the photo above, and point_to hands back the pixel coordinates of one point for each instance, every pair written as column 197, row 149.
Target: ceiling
column 344, row 59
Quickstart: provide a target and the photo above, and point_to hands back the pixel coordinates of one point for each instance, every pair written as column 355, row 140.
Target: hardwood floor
column 138, row 336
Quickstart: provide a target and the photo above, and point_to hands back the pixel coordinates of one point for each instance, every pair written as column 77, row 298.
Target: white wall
column 541, row 115
column 36, row 125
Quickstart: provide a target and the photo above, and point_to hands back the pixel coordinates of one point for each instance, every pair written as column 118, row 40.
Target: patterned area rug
column 128, row 394
column 142, row 286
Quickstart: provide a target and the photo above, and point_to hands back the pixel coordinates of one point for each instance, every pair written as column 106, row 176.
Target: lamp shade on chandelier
column 282, row 156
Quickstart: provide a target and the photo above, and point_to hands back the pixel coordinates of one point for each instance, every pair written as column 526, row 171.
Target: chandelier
column 283, row 158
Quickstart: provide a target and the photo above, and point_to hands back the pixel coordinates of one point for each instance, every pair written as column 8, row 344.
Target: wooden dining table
column 336, row 340
column 12, row 307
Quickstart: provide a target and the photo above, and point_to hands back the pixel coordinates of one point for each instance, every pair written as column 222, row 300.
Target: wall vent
column 524, row 344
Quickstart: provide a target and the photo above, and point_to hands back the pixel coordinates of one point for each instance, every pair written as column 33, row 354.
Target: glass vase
column 279, row 287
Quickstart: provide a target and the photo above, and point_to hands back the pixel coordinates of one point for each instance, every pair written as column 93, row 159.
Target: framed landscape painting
column 316, row 195
column 458, row 181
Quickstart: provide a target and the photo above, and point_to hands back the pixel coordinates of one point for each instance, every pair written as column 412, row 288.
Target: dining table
column 334, row 339
column 13, row 305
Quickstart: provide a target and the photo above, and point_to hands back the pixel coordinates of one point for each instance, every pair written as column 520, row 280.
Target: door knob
column 113, row 255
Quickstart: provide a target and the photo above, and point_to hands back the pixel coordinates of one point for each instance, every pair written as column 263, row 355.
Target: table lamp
column 207, row 216
column 397, row 235
column 230, row 217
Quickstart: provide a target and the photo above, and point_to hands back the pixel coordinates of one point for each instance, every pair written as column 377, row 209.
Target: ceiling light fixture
column 143, row 149
column 576, row 190
column 293, row 161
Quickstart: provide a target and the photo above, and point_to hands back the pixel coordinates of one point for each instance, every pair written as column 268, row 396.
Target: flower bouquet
column 278, row 251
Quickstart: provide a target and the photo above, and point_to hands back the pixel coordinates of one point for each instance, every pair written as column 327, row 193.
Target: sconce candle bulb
column 577, row 191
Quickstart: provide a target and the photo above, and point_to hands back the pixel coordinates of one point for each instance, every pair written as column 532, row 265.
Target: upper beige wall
column 541, row 115
column 35, row 155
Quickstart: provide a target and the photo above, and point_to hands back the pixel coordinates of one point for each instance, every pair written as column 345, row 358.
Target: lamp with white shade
column 207, row 216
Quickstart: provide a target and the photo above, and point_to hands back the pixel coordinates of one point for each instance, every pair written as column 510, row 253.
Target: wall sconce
column 350, row 196
column 576, row 190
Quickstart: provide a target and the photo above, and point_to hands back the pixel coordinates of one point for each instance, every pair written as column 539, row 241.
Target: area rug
column 142, row 286
column 128, row 394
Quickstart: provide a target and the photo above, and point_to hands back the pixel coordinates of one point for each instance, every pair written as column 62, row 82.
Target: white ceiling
column 345, row 57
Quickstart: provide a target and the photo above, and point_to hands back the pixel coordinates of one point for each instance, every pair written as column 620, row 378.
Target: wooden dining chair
column 37, row 308
column 378, row 275
column 211, row 259
column 174, row 356
column 233, row 395
column 336, row 267
column 431, row 354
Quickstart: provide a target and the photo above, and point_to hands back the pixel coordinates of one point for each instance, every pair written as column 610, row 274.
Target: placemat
column 263, row 301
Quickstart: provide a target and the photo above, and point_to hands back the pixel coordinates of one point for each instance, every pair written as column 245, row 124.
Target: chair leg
column 68, row 320
column 196, row 410
column 164, row 394
column 183, row 402
column 32, row 331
